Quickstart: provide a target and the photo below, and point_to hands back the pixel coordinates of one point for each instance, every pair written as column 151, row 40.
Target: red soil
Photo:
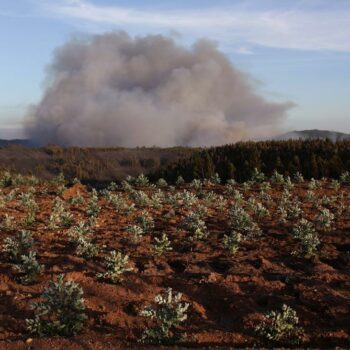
column 228, row 294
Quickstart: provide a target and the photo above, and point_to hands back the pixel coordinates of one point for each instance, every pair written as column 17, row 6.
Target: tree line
column 312, row 158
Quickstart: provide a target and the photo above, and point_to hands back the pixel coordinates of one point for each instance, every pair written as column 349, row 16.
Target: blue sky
column 296, row 50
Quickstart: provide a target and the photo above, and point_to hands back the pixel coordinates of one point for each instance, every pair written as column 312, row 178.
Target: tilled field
column 228, row 292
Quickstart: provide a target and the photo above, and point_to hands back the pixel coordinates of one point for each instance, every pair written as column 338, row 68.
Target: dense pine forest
column 312, row 158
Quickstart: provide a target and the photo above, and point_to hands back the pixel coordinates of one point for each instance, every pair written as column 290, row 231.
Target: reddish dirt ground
column 228, row 295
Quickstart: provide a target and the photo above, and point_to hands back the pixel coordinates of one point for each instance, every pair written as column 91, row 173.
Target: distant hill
column 21, row 142
column 291, row 135
column 312, row 135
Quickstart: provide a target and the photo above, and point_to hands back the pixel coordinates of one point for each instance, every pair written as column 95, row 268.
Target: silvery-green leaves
column 116, row 265
column 61, row 310
column 168, row 312
column 280, row 327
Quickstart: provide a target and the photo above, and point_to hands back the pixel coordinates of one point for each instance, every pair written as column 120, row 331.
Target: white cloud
column 311, row 29
column 244, row 50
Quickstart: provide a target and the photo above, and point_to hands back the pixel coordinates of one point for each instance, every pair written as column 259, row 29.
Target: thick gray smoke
column 115, row 90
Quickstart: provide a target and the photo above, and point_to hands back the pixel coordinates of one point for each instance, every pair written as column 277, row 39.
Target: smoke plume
column 115, row 90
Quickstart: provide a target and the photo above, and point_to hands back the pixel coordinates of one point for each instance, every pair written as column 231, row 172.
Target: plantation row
column 307, row 209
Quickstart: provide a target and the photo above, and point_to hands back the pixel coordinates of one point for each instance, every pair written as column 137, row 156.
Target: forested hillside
column 88, row 164
column 313, row 158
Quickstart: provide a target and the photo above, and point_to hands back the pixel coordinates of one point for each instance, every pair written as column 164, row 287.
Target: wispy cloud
column 244, row 50
column 299, row 28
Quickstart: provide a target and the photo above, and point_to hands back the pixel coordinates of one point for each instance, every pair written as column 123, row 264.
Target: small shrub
column 286, row 198
column 93, row 209
column 325, row 200
column 169, row 312
column 260, row 211
column 162, row 183
column 76, row 181
column 21, row 245
column 238, row 197
column 112, row 186
column 162, row 245
column 282, row 214
column 60, row 217
column 298, row 177
column 61, row 312
column 130, row 180
column 180, row 181
column 141, row 198
column 80, row 235
column 145, row 221
column 28, row 201
column 118, row 202
column 18, row 180
column 294, row 211
column 345, row 177
column 231, row 181
column 157, row 199
column 246, row 186
column 314, row 184
column 265, row 197
column 229, row 190
column 8, row 223
column 29, row 267
column 11, row 195
column 29, row 219
column 231, row 242
column 265, row 186
column 257, row 176
column 209, row 198
column 305, row 233
column 66, row 219
column 311, row 196
column 59, row 179
column 241, row 221
column 196, row 184
column 196, row 226
column 187, row 198
column 82, row 230
column 335, row 184
column 6, row 180
column 215, row 179
column 280, row 327
column 77, row 200
column 32, row 180
column 288, row 184
column 136, row 233
column 3, row 201
column 202, row 211
column 60, row 189
column 277, row 178
column 342, row 205
column 126, row 186
column 142, row 181
column 116, row 265
column 325, row 219
column 87, row 249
